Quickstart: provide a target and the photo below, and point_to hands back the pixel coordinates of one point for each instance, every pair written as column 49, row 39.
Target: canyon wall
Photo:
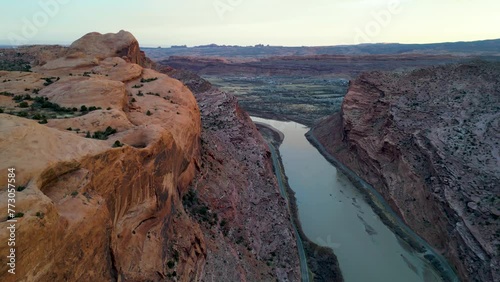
column 427, row 140
column 252, row 238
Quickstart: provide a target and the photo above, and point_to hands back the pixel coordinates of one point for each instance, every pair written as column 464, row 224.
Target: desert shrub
column 38, row 116
column 23, row 105
column 8, row 94
column 22, row 114
column 42, row 102
column 103, row 135
column 117, row 144
column 49, row 80
column 148, row 80
column 20, row 98
column 148, row 113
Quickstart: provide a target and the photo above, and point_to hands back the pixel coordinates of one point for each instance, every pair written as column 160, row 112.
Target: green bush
column 117, row 144
column 22, row 114
column 103, row 135
column 148, row 80
column 23, row 105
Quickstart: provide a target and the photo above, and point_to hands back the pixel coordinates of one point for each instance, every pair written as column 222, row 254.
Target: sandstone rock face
column 121, row 184
column 121, row 44
column 428, row 141
column 92, row 211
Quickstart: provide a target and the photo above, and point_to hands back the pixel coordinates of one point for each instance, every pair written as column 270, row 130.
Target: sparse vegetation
column 49, row 80
column 8, row 94
column 138, row 86
column 103, row 135
column 148, row 113
column 148, row 79
column 20, row 188
column 197, row 209
column 117, row 144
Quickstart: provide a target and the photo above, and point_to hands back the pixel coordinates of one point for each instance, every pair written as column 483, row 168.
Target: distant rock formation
column 122, row 44
column 428, row 141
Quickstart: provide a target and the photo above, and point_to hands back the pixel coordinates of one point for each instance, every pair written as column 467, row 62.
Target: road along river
column 335, row 214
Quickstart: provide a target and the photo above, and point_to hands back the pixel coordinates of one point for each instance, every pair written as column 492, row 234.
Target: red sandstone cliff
column 92, row 210
column 428, row 141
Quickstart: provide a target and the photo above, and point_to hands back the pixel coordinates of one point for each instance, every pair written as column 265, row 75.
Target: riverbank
column 389, row 217
column 321, row 261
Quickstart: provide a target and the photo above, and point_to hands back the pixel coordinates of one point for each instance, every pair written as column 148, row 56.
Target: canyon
column 144, row 165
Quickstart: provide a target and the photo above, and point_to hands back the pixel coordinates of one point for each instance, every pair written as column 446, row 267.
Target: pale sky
column 249, row 22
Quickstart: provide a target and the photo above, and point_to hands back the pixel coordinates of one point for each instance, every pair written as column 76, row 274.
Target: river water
column 333, row 213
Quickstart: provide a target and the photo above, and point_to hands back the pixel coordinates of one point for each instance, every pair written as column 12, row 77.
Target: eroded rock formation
column 428, row 141
column 104, row 151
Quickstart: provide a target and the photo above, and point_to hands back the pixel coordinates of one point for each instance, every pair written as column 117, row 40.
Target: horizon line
column 153, row 46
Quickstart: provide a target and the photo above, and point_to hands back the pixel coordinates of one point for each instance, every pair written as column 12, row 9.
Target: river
column 334, row 213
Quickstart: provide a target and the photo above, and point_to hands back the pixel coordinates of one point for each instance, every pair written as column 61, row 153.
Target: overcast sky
column 250, row 22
